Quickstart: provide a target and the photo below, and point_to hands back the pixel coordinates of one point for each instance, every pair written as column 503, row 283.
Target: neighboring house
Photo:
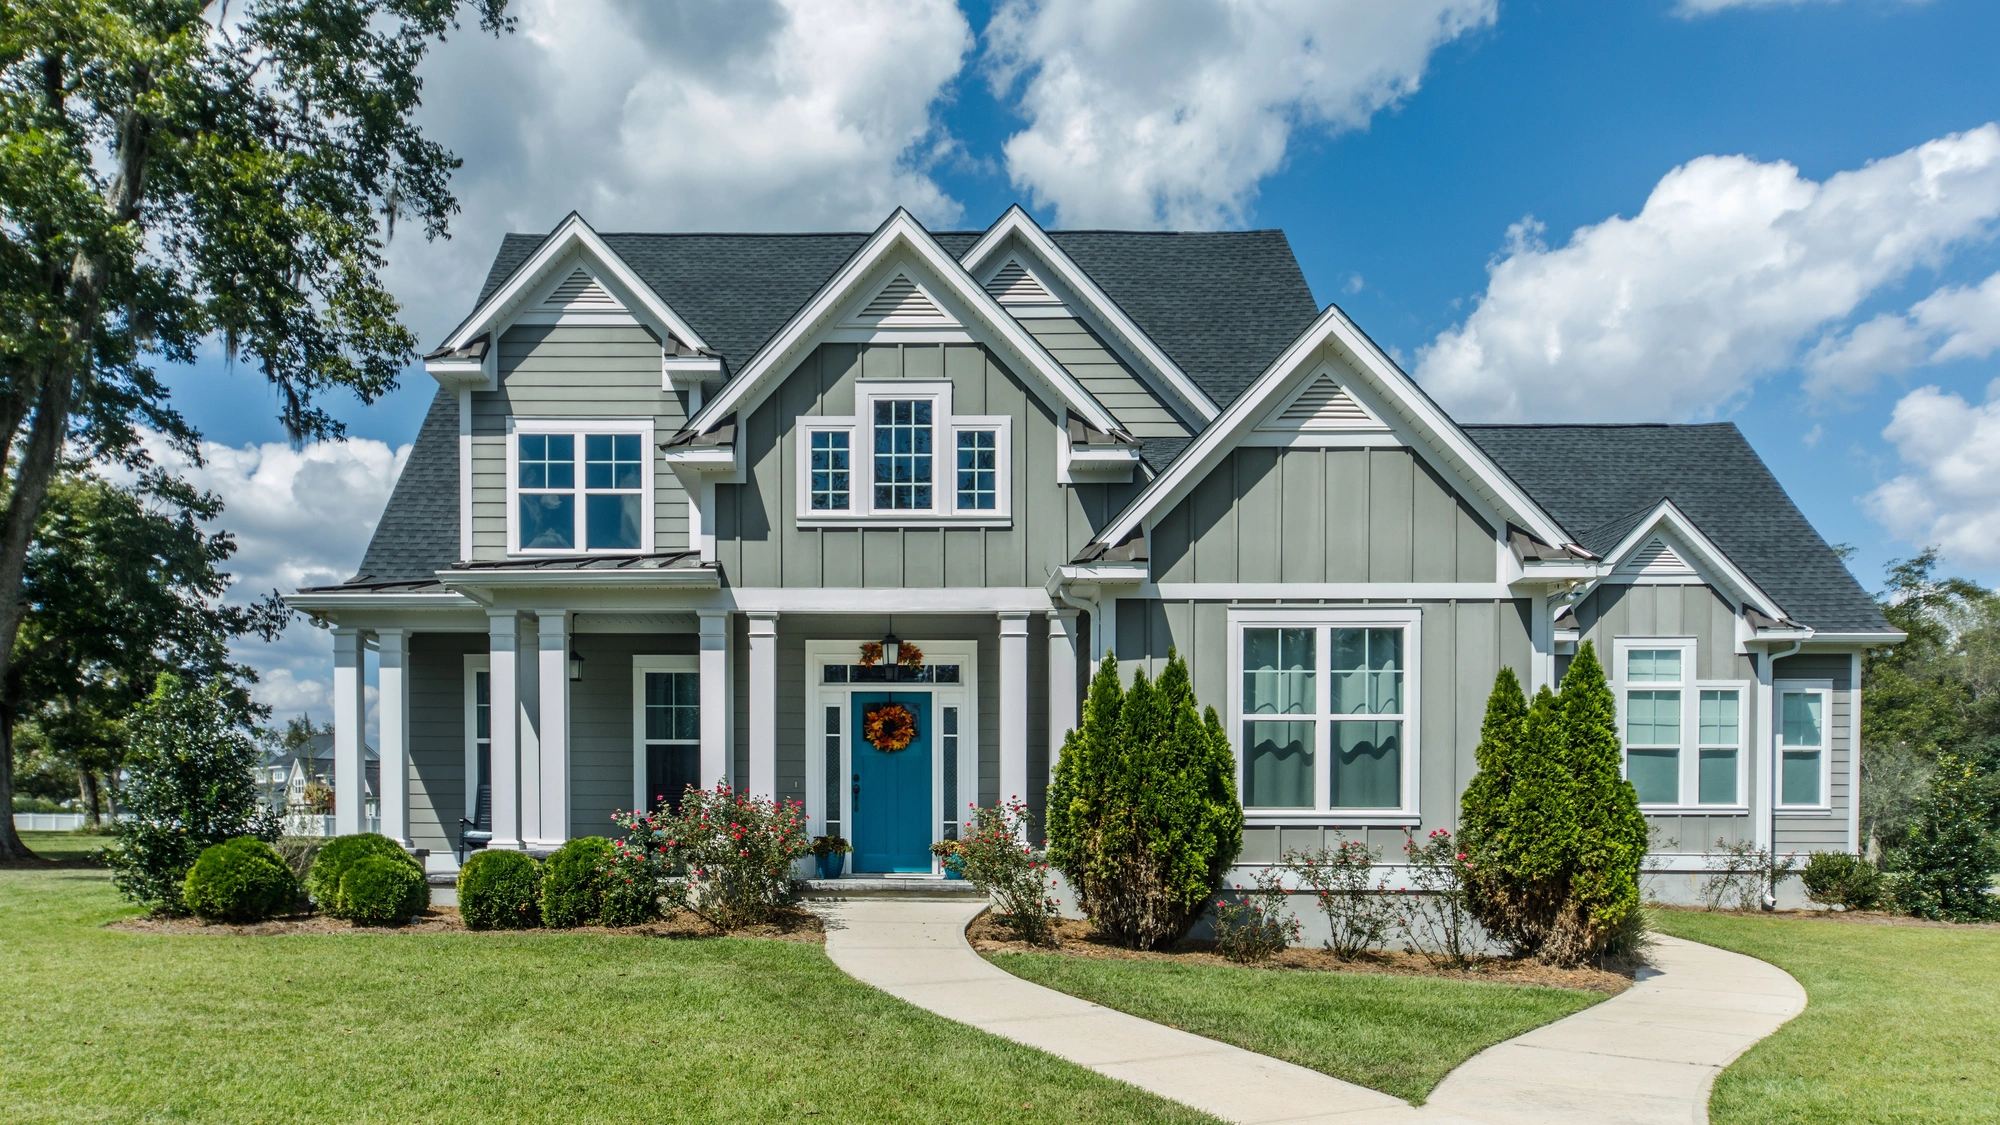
column 672, row 486
column 284, row 775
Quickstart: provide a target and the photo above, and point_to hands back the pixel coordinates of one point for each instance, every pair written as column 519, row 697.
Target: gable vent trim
column 581, row 292
column 902, row 303
column 1014, row 285
column 1656, row 557
column 1324, row 405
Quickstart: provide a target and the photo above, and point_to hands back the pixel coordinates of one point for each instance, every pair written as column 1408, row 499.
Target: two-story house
column 688, row 508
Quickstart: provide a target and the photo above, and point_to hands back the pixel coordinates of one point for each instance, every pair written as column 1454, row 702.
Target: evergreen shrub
column 1846, row 881
column 500, row 890
column 1945, row 871
column 1552, row 830
column 339, row 854
column 378, row 890
column 1143, row 817
column 573, row 883
column 240, row 880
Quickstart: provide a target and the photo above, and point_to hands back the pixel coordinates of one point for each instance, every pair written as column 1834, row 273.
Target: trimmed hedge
column 1846, row 881
column 573, row 883
column 240, row 880
column 340, row 855
column 500, row 890
column 377, row 891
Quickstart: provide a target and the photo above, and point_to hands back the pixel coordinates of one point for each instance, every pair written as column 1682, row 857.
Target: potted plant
column 827, row 852
column 948, row 853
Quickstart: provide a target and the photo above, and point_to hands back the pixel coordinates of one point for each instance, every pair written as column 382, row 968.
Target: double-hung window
column 903, row 458
column 666, row 729
column 580, row 487
column 1803, row 717
column 1325, row 712
column 1683, row 736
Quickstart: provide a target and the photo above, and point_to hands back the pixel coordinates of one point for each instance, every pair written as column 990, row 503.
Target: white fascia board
column 1109, row 574
column 1849, row 640
column 1333, row 336
column 1017, row 223
column 369, row 600
column 572, row 234
column 702, row 459
column 1711, row 559
column 810, row 323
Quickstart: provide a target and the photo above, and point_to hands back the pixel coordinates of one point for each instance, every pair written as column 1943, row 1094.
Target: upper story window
column 919, row 463
column 1683, row 736
column 1325, row 712
column 578, row 487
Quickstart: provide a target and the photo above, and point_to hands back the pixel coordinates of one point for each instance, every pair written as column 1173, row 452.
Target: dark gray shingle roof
column 1596, row 480
column 418, row 535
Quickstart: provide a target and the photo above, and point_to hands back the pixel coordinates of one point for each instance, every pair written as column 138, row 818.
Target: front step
column 864, row 886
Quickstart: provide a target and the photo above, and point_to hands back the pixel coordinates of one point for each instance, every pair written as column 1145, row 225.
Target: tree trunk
column 11, row 847
column 87, row 781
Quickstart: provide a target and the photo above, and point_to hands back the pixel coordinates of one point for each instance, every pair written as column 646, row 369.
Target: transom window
column 1683, row 738
column 918, row 462
column 560, row 506
column 1803, row 716
column 1325, row 715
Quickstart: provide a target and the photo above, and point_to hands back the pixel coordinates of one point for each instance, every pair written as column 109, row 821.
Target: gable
column 1321, row 405
column 1656, row 558
column 901, row 303
column 580, row 292
column 1019, row 288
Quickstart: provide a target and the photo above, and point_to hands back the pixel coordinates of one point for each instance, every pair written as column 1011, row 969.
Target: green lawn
column 1397, row 1034
column 1903, row 1023
column 106, row 1026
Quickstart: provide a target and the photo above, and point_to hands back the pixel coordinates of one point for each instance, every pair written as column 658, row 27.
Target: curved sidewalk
column 1649, row 1055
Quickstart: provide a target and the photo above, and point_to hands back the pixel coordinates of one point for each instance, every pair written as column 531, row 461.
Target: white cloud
column 1952, row 323
column 687, row 115
column 1169, row 112
column 301, row 517
column 1951, row 496
column 1694, row 8
column 1730, row 266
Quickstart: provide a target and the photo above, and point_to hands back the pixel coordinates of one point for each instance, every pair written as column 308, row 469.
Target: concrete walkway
column 1649, row 1055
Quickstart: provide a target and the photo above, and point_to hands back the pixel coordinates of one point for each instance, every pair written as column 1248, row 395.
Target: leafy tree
column 182, row 170
column 1947, row 867
column 1143, row 815
column 190, row 785
column 122, row 584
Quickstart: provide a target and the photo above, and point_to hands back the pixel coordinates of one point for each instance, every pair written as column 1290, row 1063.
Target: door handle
column 857, row 787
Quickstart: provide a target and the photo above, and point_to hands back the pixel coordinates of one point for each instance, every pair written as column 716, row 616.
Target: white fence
column 47, row 821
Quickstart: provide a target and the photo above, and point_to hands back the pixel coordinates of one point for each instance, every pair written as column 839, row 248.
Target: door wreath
column 889, row 727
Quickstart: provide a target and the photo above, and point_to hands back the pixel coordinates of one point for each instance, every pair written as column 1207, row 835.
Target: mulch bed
column 1851, row 917
column 789, row 925
column 1079, row 939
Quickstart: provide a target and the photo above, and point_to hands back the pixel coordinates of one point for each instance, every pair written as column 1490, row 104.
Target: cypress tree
column 1078, row 785
column 1484, row 833
column 1611, row 835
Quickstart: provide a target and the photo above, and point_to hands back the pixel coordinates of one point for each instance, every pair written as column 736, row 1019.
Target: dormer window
column 579, row 487
column 923, row 464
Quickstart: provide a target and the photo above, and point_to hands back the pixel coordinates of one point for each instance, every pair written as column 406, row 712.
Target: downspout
column 1771, row 791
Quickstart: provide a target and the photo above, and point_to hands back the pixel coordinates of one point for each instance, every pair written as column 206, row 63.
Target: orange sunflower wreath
column 889, row 727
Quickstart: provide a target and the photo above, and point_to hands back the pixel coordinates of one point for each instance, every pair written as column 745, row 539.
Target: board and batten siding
column 553, row 371
column 601, row 734
column 760, row 544
column 1463, row 646
column 1267, row 514
column 1824, row 831
column 1129, row 398
column 437, row 736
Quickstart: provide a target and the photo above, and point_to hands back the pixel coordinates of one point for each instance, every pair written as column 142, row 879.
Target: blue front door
column 892, row 789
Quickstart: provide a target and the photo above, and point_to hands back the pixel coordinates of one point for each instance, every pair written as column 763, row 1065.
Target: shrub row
column 590, row 881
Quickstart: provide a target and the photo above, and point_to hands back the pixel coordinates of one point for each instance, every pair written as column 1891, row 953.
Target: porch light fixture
column 890, row 650
column 575, row 666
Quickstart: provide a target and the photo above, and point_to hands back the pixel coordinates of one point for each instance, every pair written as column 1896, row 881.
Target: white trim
column 1824, row 689
column 1358, row 365
column 475, row 662
column 983, row 261
column 945, row 427
column 1308, row 591
column 1854, row 843
column 1709, row 558
column 464, row 398
column 1320, row 439
column 1321, row 620
column 1688, row 753
column 392, row 795
column 640, row 743
column 580, row 428
column 851, row 335
column 762, row 698
column 938, row 599
column 819, row 696
column 905, row 240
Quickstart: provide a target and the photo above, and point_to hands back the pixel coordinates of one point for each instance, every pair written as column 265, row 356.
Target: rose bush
column 727, row 857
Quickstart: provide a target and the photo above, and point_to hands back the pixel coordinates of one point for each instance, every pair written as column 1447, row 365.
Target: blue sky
column 1398, row 196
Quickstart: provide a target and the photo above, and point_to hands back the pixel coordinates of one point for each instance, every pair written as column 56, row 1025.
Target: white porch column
column 764, row 705
column 1063, row 714
column 350, row 729
column 502, row 641
column 527, row 728
column 1763, row 802
column 553, row 730
column 1541, row 635
column 394, row 709
column 715, row 697
column 1014, row 705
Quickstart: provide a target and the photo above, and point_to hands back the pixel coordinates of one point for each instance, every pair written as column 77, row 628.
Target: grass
column 105, row 1026
column 1397, row 1034
column 1902, row 1024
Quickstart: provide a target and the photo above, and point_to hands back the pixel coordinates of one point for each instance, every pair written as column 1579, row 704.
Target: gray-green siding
column 1084, row 355
column 1804, row 832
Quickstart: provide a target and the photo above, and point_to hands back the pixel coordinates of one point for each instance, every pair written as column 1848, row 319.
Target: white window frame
column 581, row 428
column 474, row 663
column 1689, row 752
column 946, row 427
column 1410, row 621
column 1824, row 689
column 640, row 666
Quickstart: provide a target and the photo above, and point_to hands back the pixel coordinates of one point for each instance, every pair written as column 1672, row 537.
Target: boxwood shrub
column 573, row 883
column 377, row 890
column 500, row 890
column 339, row 855
column 1847, row 881
column 240, row 880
